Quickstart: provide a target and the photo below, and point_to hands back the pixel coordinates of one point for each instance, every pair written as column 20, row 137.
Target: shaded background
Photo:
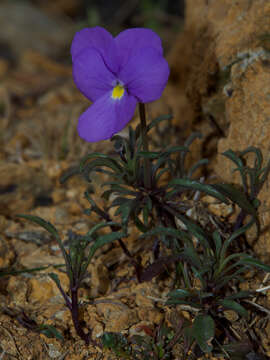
column 48, row 26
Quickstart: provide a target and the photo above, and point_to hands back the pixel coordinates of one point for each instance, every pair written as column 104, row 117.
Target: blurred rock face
column 222, row 60
column 24, row 26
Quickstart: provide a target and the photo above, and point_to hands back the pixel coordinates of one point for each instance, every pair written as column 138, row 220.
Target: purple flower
column 116, row 73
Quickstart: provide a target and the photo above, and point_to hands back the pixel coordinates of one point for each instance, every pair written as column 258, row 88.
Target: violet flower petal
column 101, row 40
column 91, row 75
column 106, row 117
column 130, row 41
column 145, row 74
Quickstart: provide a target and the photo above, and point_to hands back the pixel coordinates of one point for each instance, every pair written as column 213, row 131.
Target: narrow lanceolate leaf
column 230, row 154
column 98, row 163
column 158, row 120
column 234, row 236
column 258, row 159
column 51, row 332
column 96, row 155
column 233, row 305
column 196, row 185
column 69, row 173
column 52, row 230
column 158, row 267
column 196, row 166
column 100, row 226
column 248, row 260
column 150, row 154
column 55, row 278
column 195, row 230
column 179, row 234
column 105, row 239
column 218, row 242
column 237, row 197
column 179, row 294
column 203, row 330
column 39, row 221
column 240, row 295
column 101, row 241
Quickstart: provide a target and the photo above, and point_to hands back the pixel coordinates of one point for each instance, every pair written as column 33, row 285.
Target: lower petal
column 105, row 117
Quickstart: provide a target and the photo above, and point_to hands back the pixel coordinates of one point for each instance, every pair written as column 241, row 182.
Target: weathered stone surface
column 20, row 185
column 7, row 255
column 100, row 280
column 25, row 26
column 225, row 76
column 117, row 315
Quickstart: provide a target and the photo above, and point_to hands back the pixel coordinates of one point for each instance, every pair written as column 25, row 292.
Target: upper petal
column 130, row 41
column 101, row 40
column 106, row 117
column 91, row 75
column 145, row 74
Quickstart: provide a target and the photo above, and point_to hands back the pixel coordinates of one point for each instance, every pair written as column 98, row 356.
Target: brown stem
column 75, row 316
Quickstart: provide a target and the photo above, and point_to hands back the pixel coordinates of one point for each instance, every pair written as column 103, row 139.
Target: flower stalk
column 147, row 166
column 76, row 317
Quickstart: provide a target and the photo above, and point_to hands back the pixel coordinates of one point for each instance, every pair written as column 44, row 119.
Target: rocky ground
column 219, row 85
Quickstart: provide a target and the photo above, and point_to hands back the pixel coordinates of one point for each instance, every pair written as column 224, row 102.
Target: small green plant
column 77, row 257
column 155, row 191
column 155, row 345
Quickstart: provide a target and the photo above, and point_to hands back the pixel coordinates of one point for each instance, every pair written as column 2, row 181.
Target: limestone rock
column 20, row 186
column 7, row 255
column 225, row 78
column 117, row 316
column 100, row 280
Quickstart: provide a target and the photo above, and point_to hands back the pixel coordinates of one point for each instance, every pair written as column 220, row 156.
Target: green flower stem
column 147, row 169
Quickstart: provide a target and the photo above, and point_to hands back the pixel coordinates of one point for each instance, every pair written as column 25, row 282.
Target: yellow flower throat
column 118, row 92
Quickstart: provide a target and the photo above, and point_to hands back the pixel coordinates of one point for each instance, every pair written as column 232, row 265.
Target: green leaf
column 196, row 185
column 39, row 221
column 51, row 332
column 55, row 278
column 203, row 330
column 158, row 120
column 117, row 343
column 69, row 173
column 95, row 164
column 195, row 230
column 233, row 305
column 218, row 242
column 95, row 155
column 174, row 301
column 230, row 154
column 52, row 230
column 100, row 226
column 240, row 295
column 179, row 293
column 192, row 256
column 122, row 190
column 150, row 154
column 139, row 224
column 248, row 260
column 258, row 154
column 235, row 235
column 10, row 271
column 195, row 135
column 105, row 239
column 196, row 166
column 237, row 196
